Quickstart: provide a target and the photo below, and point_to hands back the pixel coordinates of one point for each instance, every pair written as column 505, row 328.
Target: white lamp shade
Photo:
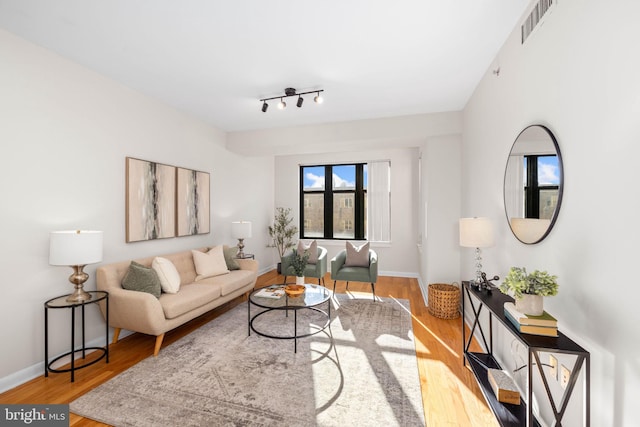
column 476, row 232
column 529, row 230
column 75, row 247
column 241, row 229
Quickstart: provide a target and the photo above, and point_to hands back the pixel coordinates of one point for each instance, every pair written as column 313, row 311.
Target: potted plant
column 282, row 232
column 529, row 289
column 299, row 262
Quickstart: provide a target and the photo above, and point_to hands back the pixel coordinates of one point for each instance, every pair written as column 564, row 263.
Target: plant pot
column 299, row 280
column 533, row 305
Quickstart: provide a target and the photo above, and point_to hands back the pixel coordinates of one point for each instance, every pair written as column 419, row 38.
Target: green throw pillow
column 142, row 279
column 230, row 253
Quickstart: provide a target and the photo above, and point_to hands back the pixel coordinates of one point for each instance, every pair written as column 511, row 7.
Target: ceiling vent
column 535, row 17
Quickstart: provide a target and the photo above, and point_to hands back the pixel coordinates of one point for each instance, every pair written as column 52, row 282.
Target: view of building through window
column 334, row 201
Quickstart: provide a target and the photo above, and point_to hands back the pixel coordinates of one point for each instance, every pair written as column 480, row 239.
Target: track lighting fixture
column 292, row 92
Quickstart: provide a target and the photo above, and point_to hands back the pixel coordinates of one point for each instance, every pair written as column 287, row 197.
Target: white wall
column 64, row 137
column 432, row 140
column 440, row 210
column 577, row 74
column 398, row 258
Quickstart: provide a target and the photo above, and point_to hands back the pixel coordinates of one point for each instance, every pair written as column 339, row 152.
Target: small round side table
column 61, row 302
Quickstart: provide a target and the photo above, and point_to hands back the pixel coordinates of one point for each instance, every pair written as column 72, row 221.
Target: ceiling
column 215, row 59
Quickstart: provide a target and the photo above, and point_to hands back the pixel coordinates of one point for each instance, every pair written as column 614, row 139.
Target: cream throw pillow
column 313, row 251
column 168, row 275
column 211, row 263
column 357, row 257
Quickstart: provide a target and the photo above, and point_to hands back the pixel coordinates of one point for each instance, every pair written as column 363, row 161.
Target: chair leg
column 373, row 290
column 285, row 280
column 347, row 288
column 116, row 335
column 334, row 286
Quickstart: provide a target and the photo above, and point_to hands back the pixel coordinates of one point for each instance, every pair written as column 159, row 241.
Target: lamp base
column 78, row 278
column 79, row 295
column 240, row 248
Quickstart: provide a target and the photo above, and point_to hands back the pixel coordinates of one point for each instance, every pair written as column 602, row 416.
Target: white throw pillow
column 357, row 257
column 168, row 274
column 211, row 263
column 313, row 251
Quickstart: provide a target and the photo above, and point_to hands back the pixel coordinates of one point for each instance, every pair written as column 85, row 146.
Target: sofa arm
column 248, row 264
column 135, row 311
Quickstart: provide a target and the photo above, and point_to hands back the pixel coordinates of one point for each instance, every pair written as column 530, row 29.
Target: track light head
column 282, row 105
column 300, row 101
column 264, row 106
column 318, row 99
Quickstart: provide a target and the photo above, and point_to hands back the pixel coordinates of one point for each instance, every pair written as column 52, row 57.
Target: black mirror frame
column 560, row 186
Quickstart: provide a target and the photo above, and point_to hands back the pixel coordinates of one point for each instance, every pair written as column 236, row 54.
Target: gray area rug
column 360, row 371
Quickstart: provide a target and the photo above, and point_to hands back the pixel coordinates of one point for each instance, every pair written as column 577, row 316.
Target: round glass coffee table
column 273, row 298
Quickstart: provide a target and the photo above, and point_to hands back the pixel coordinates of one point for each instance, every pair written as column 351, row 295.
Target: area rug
column 362, row 370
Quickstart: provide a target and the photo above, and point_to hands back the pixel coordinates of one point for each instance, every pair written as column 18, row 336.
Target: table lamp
column 476, row 233
column 76, row 249
column 241, row 230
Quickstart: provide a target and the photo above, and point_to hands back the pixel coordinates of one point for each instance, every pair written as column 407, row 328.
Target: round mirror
column 533, row 181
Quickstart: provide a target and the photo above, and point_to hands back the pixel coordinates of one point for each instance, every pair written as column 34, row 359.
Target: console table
column 518, row 415
column 61, row 302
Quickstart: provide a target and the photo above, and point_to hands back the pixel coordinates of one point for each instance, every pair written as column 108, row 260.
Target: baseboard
column 34, row 371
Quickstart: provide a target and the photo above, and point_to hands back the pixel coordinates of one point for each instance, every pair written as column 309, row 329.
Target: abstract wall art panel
column 150, row 200
column 192, row 202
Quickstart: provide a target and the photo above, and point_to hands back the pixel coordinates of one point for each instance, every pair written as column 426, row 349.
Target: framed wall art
column 150, row 200
column 192, row 202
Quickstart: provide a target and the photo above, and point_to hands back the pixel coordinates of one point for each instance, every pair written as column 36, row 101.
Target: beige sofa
column 143, row 312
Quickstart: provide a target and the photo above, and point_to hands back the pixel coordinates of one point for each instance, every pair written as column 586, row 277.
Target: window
column 333, row 201
column 541, row 186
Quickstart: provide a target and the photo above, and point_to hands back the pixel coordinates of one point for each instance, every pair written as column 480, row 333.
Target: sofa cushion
column 190, row 297
column 142, row 279
column 230, row 253
column 357, row 257
column 168, row 275
column 231, row 282
column 210, row 264
column 312, row 248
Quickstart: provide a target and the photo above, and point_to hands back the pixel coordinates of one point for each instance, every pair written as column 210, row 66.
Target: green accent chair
column 355, row 274
column 317, row 270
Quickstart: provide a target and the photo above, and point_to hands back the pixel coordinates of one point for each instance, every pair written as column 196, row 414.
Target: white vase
column 533, row 305
column 299, row 280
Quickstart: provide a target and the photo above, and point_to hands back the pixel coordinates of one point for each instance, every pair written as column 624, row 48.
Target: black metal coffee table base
column 294, row 304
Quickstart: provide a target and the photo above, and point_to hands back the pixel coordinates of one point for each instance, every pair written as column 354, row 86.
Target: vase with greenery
column 298, row 263
column 529, row 289
column 282, row 232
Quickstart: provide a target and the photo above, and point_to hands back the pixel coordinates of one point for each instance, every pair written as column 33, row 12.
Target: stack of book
column 545, row 324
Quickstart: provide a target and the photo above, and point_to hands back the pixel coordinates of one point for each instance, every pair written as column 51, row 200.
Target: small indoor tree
column 282, row 232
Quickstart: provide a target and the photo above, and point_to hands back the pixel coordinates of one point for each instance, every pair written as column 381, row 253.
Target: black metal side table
column 61, row 302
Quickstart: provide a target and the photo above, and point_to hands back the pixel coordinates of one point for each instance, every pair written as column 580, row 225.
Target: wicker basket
column 444, row 301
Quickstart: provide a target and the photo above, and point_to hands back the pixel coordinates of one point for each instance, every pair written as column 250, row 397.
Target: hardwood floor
column 450, row 394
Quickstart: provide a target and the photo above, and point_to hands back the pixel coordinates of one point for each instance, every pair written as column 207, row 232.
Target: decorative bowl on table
column 294, row 290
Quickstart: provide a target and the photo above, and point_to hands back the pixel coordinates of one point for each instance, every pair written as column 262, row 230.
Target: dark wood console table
column 519, row 415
